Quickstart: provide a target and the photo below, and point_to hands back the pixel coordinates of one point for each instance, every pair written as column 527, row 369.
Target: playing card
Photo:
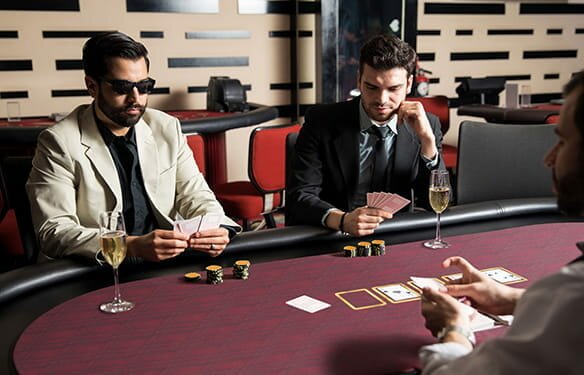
column 308, row 304
column 394, row 203
column 426, row 282
column 211, row 220
column 503, row 275
column 397, row 293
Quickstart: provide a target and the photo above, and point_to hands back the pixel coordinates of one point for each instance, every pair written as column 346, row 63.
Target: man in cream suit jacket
column 116, row 154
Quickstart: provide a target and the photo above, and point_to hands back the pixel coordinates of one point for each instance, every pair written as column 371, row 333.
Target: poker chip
column 350, row 251
column 378, row 247
column 214, row 274
column 192, row 276
column 241, row 269
column 363, row 249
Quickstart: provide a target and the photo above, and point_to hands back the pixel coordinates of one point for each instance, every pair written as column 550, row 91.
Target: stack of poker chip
column 350, row 251
column 364, row 249
column 214, row 274
column 241, row 269
column 378, row 247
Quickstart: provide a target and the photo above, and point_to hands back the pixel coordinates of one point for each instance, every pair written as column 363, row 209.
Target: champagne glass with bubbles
column 112, row 237
column 439, row 199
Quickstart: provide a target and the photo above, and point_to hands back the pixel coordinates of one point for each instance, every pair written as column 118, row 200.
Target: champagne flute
column 439, row 199
column 112, row 236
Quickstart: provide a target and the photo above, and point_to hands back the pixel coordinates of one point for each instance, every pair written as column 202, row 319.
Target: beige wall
column 268, row 57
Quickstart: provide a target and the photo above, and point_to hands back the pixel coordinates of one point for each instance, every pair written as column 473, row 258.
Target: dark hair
column 573, row 85
column 385, row 52
column 100, row 48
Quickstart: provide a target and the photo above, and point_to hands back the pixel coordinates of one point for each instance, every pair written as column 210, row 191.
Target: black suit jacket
column 325, row 166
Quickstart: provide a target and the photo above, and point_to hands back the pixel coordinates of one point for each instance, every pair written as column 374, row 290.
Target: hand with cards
column 484, row 288
column 205, row 233
column 386, row 201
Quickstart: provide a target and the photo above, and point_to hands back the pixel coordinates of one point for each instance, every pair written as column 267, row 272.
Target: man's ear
column 410, row 82
column 91, row 85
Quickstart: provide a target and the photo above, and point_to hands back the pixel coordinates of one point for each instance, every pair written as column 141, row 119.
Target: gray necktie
column 381, row 158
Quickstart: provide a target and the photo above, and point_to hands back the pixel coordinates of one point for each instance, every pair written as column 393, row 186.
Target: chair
column 196, row 143
column 553, row 119
column 15, row 171
column 438, row 105
column 503, row 161
column 264, row 193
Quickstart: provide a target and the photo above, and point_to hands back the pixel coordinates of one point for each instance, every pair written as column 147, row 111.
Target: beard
column 570, row 191
column 118, row 115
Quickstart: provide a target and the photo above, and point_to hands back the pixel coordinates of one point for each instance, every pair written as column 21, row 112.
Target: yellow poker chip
column 378, row 242
column 364, row 243
column 243, row 263
column 214, row 268
column 192, row 276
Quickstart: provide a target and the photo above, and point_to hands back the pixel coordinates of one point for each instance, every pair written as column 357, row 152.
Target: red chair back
column 437, row 105
column 267, row 157
column 553, row 119
column 196, row 143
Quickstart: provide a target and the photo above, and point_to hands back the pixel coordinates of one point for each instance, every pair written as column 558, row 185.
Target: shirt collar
column 365, row 122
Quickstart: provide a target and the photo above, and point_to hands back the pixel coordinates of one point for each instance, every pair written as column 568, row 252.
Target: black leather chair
column 503, row 161
column 15, row 171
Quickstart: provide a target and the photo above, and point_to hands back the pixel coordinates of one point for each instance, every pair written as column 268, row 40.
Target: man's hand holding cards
column 205, row 233
column 386, row 201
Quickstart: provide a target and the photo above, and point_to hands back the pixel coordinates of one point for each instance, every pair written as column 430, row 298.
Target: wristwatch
column 467, row 333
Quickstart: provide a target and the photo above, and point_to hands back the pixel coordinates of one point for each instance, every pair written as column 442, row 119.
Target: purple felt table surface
column 245, row 326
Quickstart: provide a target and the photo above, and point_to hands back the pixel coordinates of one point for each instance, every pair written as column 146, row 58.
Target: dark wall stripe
column 173, row 6
column 160, row 90
column 428, row 32
column 455, row 56
column 66, row 93
column 463, row 32
column 427, row 56
column 434, row 80
column 288, row 86
column 289, row 111
column 53, row 5
column 554, row 31
column 551, row 76
column 72, row 34
column 13, row 94
column 510, row 32
column 464, row 8
column 69, row 64
column 227, row 34
column 288, row 34
column 9, row 34
column 9, row 65
column 550, row 54
column 198, row 89
column 151, row 34
column 516, row 77
column 551, row 8
column 197, row 62
column 579, row 31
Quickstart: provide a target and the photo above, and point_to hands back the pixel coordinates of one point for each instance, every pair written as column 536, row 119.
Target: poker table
column 19, row 137
column 50, row 321
column 536, row 114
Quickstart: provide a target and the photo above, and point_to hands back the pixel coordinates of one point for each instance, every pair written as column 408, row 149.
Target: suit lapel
column 346, row 142
column 148, row 154
column 407, row 150
column 99, row 155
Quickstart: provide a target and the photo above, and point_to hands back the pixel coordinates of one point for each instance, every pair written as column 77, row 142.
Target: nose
column 133, row 95
column 384, row 96
column 550, row 158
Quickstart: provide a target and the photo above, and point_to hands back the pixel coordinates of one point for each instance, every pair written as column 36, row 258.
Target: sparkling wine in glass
column 112, row 236
column 439, row 199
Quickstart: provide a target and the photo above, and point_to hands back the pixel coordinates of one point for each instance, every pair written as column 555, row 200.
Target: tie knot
column 380, row 131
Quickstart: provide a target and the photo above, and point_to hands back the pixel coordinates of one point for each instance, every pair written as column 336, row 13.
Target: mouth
column 134, row 110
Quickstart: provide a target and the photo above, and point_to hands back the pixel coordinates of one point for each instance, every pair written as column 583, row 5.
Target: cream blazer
column 73, row 179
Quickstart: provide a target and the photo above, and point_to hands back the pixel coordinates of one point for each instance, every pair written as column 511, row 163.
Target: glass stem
column 438, row 239
column 117, row 295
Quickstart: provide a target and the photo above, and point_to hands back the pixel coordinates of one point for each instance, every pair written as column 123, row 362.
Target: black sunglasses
column 123, row 87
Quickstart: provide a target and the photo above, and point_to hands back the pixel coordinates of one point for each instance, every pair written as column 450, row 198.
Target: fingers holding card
column 210, row 220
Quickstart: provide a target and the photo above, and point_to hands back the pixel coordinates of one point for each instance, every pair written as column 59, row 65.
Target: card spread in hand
column 211, row 220
column 386, row 201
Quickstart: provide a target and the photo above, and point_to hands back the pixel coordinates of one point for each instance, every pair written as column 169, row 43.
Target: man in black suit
column 376, row 142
